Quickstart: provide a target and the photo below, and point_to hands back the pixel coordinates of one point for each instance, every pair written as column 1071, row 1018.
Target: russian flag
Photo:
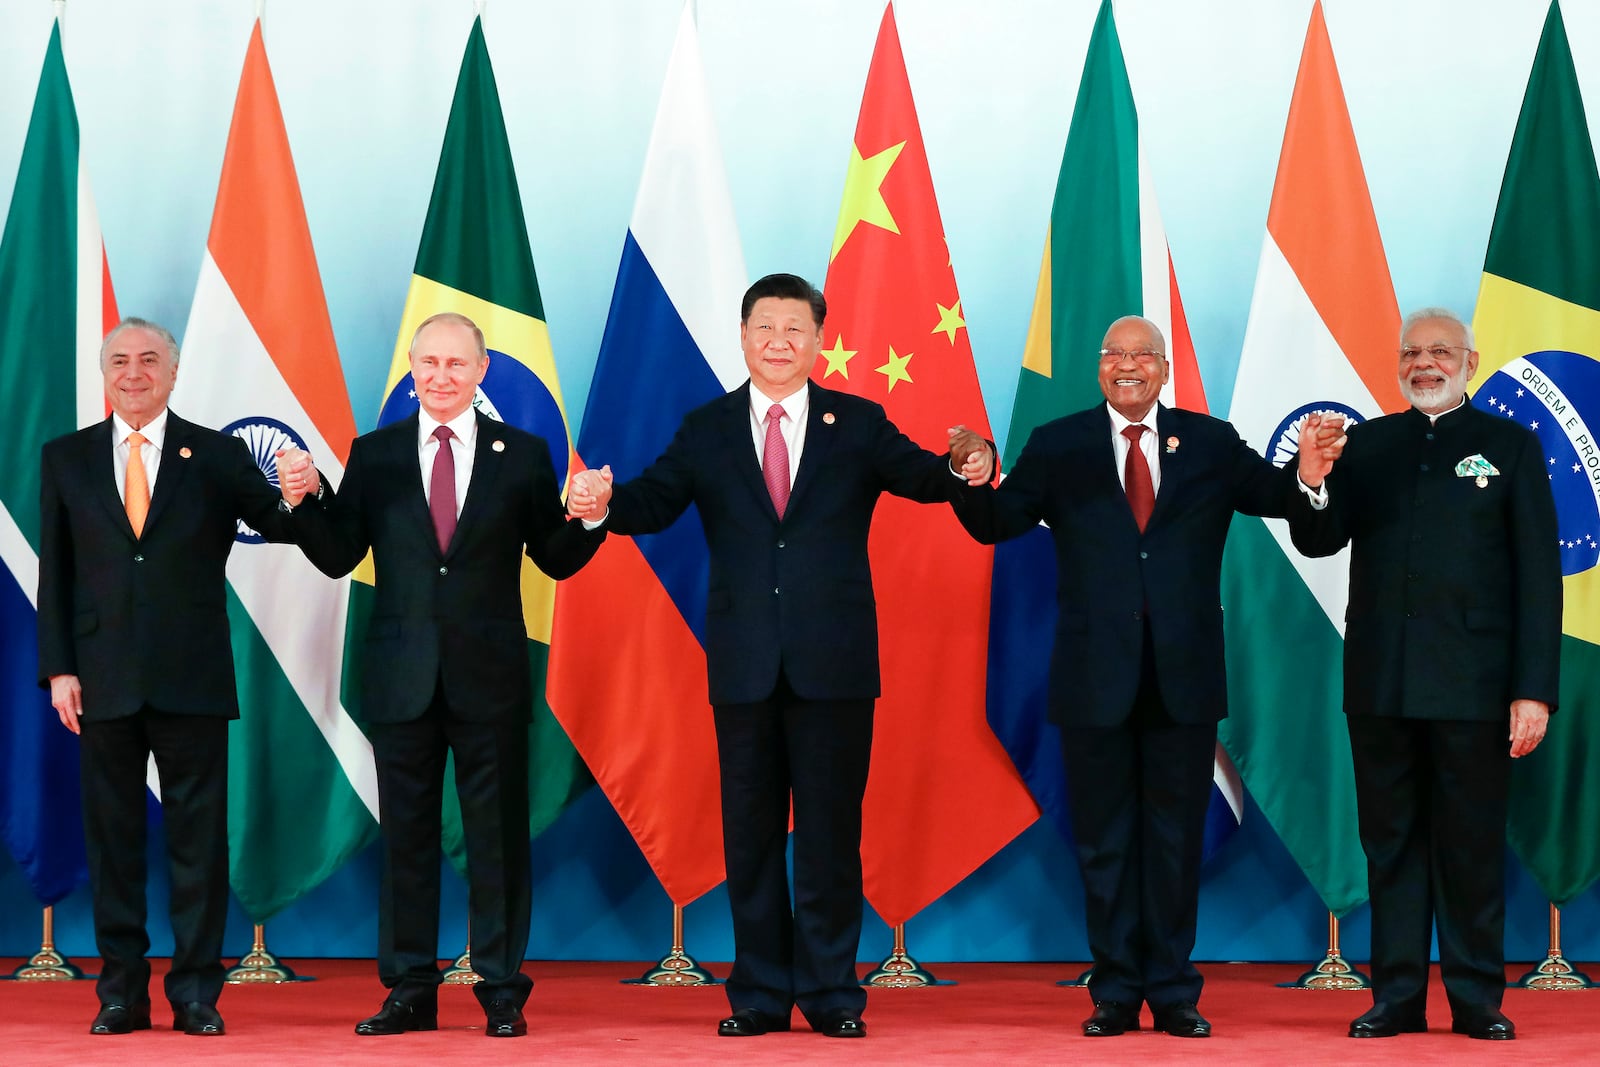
column 627, row 667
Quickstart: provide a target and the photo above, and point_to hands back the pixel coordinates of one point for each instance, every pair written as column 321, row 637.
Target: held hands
column 1322, row 441
column 66, row 696
column 1529, row 719
column 589, row 494
column 970, row 456
column 297, row 475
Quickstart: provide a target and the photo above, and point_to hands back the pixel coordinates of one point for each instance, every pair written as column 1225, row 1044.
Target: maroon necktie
column 775, row 460
column 1136, row 478
column 442, row 489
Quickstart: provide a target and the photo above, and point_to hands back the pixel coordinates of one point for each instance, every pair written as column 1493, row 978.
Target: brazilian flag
column 1538, row 335
column 474, row 259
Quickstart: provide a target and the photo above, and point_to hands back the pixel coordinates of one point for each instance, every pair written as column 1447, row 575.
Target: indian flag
column 474, row 259
column 55, row 307
column 259, row 362
column 1322, row 335
column 1538, row 334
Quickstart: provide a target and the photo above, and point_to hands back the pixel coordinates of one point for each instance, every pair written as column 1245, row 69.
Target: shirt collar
column 154, row 431
column 795, row 405
column 464, row 426
column 1434, row 419
column 1120, row 423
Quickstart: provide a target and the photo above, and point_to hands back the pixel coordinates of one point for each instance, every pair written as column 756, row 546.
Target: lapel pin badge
column 499, row 446
column 828, row 418
column 1483, row 481
column 184, row 452
column 1172, row 445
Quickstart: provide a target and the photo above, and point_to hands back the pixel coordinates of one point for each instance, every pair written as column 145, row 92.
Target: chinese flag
column 943, row 795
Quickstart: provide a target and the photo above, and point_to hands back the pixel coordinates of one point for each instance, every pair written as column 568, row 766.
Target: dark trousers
column 491, row 767
column 817, row 753
column 191, row 753
column 1431, row 803
column 1138, row 792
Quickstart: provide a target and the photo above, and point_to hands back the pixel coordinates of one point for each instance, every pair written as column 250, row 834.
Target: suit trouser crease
column 817, row 753
column 191, row 755
column 1431, row 802
column 491, row 785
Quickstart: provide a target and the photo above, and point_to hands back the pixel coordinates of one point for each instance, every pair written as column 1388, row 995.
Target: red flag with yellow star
column 943, row 795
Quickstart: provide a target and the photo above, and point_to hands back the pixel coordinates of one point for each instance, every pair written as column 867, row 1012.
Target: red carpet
column 1002, row 1012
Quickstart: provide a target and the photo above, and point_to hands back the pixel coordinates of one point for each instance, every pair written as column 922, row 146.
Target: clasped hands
column 297, row 475
column 1322, row 441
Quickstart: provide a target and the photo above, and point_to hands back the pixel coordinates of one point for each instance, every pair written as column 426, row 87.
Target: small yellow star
column 895, row 369
column 863, row 195
column 838, row 358
column 950, row 320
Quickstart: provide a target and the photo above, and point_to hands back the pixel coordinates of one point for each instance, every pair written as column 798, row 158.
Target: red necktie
column 775, row 460
column 1136, row 478
column 442, row 489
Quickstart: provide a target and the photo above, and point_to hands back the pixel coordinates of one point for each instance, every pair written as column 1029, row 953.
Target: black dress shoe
column 1387, row 1020
column 504, row 1019
column 1485, row 1024
column 842, row 1024
column 396, row 1017
column 120, row 1019
column 748, row 1022
column 1111, row 1018
column 197, row 1019
column 1181, row 1020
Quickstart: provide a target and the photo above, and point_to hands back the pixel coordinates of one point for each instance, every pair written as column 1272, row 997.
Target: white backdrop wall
column 1433, row 87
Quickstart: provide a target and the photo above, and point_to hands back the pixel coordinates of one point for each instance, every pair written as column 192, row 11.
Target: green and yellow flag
column 1538, row 335
column 474, row 259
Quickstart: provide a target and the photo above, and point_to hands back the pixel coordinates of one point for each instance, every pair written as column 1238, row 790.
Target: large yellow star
column 950, row 320
column 838, row 358
column 863, row 196
column 895, row 369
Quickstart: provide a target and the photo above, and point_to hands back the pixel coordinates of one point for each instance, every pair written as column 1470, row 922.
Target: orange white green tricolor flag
column 1322, row 336
column 942, row 796
column 259, row 361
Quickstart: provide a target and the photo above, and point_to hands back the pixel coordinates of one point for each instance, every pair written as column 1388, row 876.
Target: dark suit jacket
column 455, row 615
column 795, row 592
column 145, row 620
column 1455, row 589
column 1110, row 577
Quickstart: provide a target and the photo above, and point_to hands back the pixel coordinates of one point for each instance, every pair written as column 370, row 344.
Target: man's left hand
column 970, row 456
column 1529, row 719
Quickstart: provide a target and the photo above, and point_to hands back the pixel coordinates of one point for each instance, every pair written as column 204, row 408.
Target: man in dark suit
column 785, row 475
column 1452, row 639
column 1137, row 678
column 137, row 516
column 448, row 501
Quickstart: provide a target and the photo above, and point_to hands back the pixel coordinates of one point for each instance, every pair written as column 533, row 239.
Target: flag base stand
column 460, row 972
column 1082, row 981
column 1554, row 972
column 48, row 965
column 676, row 968
column 260, row 967
column 1334, row 972
column 899, row 970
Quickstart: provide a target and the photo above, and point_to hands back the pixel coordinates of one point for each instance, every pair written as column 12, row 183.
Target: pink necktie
column 775, row 460
column 442, row 489
column 1136, row 478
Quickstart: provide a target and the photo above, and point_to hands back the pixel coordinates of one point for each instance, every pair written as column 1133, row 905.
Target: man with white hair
column 1452, row 650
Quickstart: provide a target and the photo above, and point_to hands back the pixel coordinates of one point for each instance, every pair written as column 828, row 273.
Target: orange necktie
column 137, row 497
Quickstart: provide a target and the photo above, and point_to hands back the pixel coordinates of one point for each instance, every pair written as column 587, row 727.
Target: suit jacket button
column 1144, row 555
column 444, row 570
column 780, row 544
column 777, row 591
column 138, row 558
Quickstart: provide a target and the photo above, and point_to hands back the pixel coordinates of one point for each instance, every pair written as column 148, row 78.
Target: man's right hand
column 589, row 495
column 66, row 696
column 297, row 475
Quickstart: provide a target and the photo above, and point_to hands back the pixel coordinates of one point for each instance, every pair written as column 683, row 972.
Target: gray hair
column 134, row 323
column 453, row 318
column 1423, row 314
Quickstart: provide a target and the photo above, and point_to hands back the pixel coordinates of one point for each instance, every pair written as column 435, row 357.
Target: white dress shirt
column 1147, row 445
column 155, row 436
column 793, row 426
column 463, row 446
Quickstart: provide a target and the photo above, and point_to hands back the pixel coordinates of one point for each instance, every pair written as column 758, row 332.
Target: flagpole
column 676, row 967
column 1333, row 972
column 261, row 967
column 48, row 965
column 899, row 970
column 1554, row 972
